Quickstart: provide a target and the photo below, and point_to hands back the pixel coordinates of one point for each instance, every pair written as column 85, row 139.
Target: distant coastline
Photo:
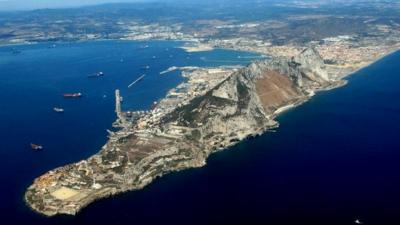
column 197, row 48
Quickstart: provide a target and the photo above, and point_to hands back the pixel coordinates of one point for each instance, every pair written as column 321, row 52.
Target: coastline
column 198, row 48
column 339, row 84
column 200, row 163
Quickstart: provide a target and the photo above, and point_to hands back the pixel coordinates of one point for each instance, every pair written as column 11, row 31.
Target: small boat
column 357, row 221
column 72, row 95
column 99, row 74
column 145, row 67
column 58, row 110
column 36, row 147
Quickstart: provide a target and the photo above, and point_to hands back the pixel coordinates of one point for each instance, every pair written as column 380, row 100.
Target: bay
column 333, row 159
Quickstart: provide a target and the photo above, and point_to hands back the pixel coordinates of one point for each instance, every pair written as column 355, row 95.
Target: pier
column 137, row 80
column 118, row 103
column 121, row 119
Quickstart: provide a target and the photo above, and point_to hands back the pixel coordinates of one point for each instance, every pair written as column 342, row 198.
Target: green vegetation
column 243, row 94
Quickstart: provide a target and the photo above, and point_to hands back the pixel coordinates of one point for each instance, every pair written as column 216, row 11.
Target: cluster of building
column 346, row 51
column 73, row 185
column 154, row 31
column 68, row 187
column 199, row 81
column 259, row 46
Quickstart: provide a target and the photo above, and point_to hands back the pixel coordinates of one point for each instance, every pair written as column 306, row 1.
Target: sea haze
column 333, row 159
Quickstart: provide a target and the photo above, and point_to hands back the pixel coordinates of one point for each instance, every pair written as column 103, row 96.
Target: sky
column 10, row 5
column 7, row 5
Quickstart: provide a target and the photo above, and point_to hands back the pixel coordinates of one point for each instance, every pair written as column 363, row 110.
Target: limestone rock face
column 226, row 92
column 312, row 65
column 307, row 70
column 242, row 105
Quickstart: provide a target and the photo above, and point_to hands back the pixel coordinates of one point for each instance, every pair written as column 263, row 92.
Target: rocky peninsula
column 213, row 110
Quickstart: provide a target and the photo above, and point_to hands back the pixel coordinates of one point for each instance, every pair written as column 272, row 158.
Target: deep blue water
column 334, row 159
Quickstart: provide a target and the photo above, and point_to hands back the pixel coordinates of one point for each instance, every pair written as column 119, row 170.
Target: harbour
column 269, row 164
column 86, row 117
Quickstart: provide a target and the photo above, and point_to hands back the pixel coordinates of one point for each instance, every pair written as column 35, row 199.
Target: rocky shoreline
column 235, row 105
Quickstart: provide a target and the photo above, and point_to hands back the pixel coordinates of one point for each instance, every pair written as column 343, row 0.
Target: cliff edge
column 241, row 104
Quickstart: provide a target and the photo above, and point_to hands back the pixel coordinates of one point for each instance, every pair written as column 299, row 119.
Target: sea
column 333, row 160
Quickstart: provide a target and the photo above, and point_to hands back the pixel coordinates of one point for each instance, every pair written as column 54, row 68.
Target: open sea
column 333, row 160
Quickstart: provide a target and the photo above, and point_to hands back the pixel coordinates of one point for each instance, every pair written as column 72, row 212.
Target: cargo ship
column 72, row 95
column 99, row 74
column 36, row 147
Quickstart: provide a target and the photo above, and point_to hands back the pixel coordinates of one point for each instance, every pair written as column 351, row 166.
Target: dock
column 118, row 103
column 173, row 68
column 121, row 122
column 137, row 80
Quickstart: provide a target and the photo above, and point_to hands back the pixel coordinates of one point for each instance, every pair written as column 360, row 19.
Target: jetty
column 120, row 122
column 173, row 68
column 137, row 80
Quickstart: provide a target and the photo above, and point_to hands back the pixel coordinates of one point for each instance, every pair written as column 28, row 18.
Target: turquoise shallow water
column 334, row 159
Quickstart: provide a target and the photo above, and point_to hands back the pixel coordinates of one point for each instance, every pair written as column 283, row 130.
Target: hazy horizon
column 12, row 5
column 21, row 5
